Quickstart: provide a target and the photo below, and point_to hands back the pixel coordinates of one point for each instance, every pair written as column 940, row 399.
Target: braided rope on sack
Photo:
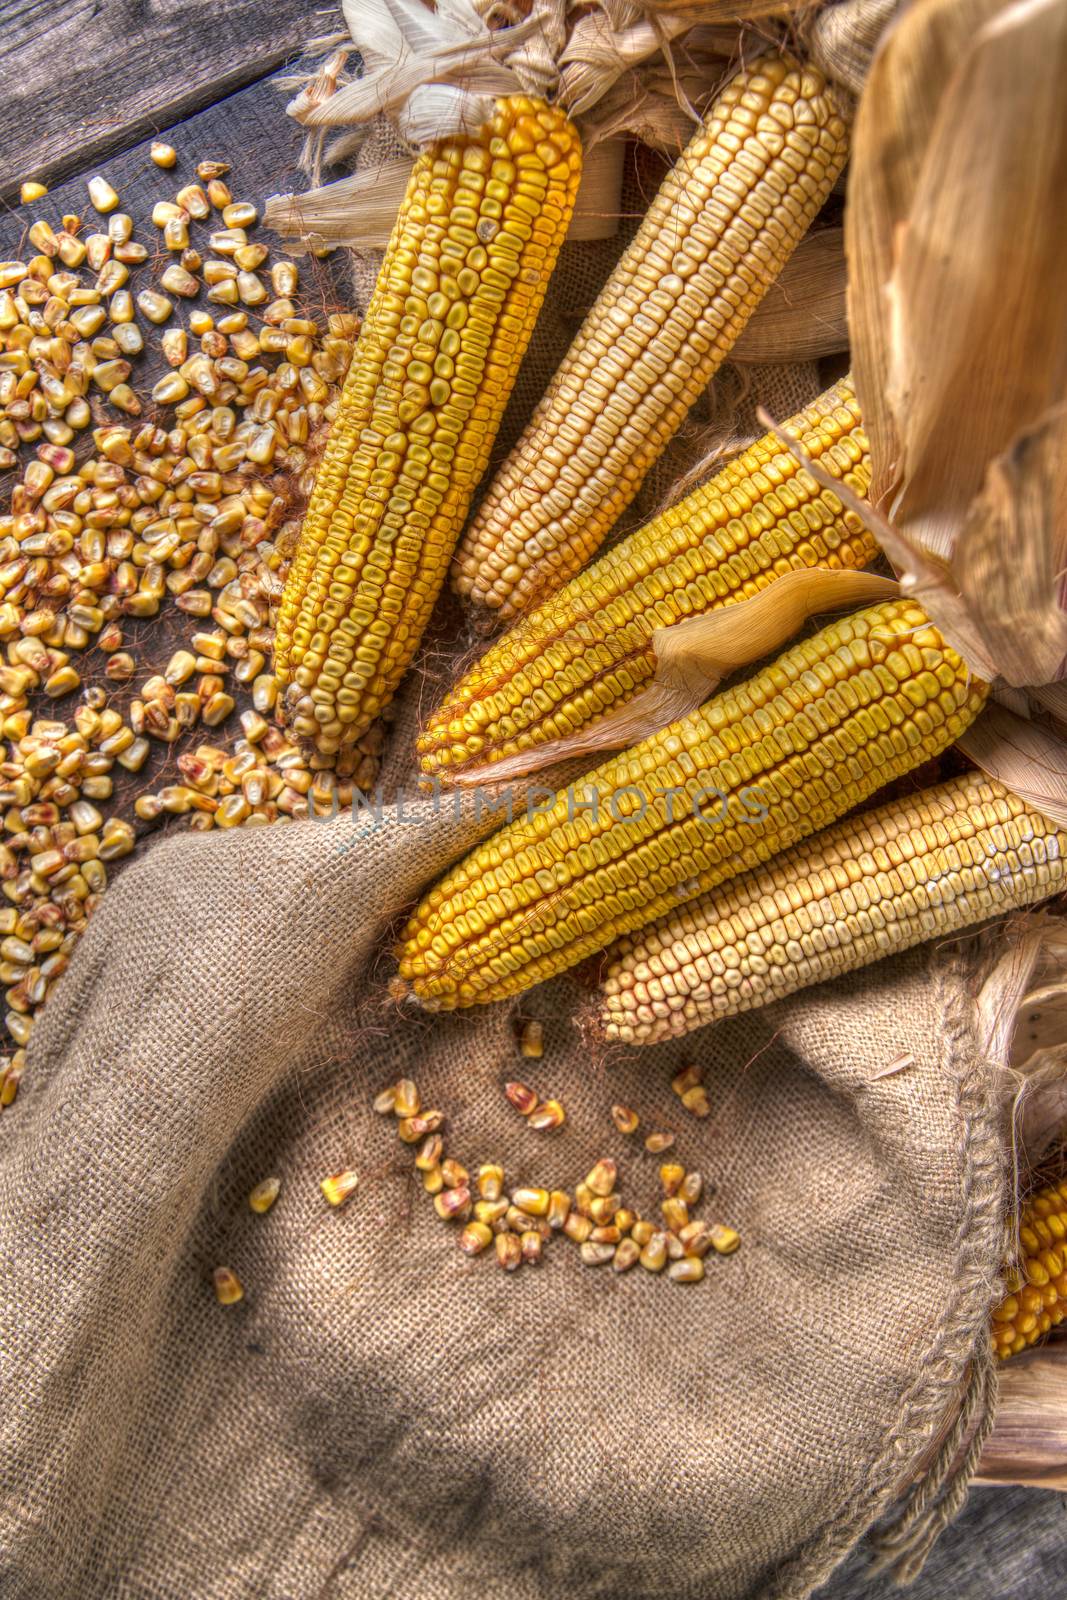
column 958, row 1346
column 937, row 1498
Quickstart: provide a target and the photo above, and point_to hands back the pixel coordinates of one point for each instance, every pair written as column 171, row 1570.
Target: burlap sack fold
column 382, row 1416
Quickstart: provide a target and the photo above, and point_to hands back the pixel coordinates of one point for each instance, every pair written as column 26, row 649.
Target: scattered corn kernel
column 264, row 1195
column 340, row 1186
column 228, row 1288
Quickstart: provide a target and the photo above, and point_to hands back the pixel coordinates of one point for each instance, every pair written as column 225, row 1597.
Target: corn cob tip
column 403, row 993
column 923, row 865
column 726, row 218
column 589, row 649
column 460, row 286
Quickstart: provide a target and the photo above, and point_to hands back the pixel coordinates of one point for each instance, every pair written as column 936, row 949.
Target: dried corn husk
column 1028, row 1443
column 804, row 313
column 957, row 243
column 842, row 38
column 431, row 72
column 659, row 102
column 598, row 54
column 693, row 657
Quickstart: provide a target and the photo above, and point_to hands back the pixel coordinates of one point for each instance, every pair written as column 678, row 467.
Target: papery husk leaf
column 1011, row 555
column 441, row 110
column 893, row 127
column 957, row 242
column 1051, row 697
column 536, row 62
column 359, row 211
column 842, row 38
column 998, row 598
column 406, row 47
column 924, row 577
column 1028, row 1443
column 630, row 109
column 728, row 10
column 1041, row 1105
column 694, row 656
column 804, row 314
column 1022, row 1032
column 386, row 31
column 1024, row 757
column 980, row 353
column 660, row 106
column 389, row 89
column 596, row 55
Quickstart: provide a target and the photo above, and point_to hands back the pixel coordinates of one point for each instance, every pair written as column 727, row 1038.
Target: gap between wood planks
column 84, row 79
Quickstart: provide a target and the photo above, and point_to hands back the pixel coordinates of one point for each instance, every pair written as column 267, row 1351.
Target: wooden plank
column 83, row 79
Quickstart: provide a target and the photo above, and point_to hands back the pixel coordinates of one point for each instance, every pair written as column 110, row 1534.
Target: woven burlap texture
column 383, row 1416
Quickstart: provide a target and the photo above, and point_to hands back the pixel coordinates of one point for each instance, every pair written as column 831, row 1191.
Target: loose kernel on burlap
column 382, row 1415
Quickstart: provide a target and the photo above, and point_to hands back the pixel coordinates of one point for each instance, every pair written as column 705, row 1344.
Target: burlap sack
column 384, row 1416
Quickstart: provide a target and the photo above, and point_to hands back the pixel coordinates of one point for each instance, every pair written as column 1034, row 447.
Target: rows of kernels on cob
column 463, row 278
column 758, row 768
column 726, row 219
column 588, row 649
column 924, row 866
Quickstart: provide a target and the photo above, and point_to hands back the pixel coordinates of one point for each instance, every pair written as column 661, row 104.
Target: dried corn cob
column 460, row 286
column 921, row 867
column 589, row 649
column 757, row 768
column 724, row 223
column 1037, row 1294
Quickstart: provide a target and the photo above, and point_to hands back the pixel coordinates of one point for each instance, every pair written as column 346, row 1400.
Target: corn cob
column 460, row 286
column 760, row 766
column 589, row 649
column 1037, row 1291
column 721, row 228
column 921, row 867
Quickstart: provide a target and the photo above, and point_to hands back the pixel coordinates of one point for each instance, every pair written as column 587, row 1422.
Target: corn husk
column 957, row 243
column 655, row 99
column 624, row 69
column 1028, row 1443
column 842, row 38
column 803, row 316
column 694, row 656
column 597, row 55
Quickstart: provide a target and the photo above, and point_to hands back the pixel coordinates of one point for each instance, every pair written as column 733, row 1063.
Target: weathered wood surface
column 83, row 79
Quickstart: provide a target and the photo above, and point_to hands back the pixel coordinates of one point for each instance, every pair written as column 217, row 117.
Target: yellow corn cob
column 757, row 768
column 1037, row 1294
column 725, row 221
column 588, row 649
column 460, row 286
column 923, row 866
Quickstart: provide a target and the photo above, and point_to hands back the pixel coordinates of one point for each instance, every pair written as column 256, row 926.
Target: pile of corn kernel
column 519, row 1223
column 179, row 503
